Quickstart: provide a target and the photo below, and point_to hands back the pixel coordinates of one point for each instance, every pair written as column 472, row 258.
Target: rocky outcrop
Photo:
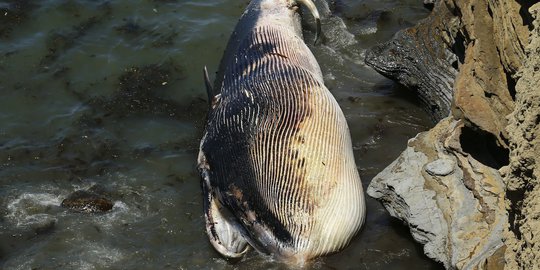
column 453, row 204
column 484, row 86
column 523, row 235
column 467, row 188
column 421, row 58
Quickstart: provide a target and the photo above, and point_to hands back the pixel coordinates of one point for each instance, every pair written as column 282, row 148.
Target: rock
column 426, row 58
column 467, row 188
column 429, row 3
column 456, row 209
column 88, row 201
column 441, row 167
column 402, row 192
column 523, row 173
column 421, row 58
column 482, row 93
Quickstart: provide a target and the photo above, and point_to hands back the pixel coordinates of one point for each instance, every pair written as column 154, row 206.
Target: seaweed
column 13, row 14
column 60, row 41
column 131, row 29
column 138, row 93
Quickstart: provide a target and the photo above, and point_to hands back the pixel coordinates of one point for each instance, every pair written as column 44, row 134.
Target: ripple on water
column 96, row 256
column 81, row 255
column 121, row 214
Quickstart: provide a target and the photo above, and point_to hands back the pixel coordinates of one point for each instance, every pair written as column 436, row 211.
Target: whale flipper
column 222, row 229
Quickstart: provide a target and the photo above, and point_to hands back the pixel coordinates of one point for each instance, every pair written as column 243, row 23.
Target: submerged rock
column 87, row 201
column 44, row 226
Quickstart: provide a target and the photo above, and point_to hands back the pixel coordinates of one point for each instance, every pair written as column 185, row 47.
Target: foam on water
column 121, row 213
column 33, row 208
column 98, row 256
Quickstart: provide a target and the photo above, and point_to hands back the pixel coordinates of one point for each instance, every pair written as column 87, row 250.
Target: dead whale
column 276, row 160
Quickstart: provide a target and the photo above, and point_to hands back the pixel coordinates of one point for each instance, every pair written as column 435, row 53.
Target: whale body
column 276, row 160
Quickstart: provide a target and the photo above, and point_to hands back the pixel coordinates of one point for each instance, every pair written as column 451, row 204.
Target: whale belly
column 277, row 154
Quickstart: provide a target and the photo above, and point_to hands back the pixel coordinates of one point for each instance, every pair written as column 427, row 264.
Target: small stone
column 440, row 167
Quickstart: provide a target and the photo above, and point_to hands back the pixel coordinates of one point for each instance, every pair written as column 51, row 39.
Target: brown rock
column 510, row 31
column 494, row 122
column 87, row 201
column 523, row 172
column 481, row 88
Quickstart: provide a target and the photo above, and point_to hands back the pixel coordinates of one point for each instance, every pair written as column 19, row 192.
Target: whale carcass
column 276, row 160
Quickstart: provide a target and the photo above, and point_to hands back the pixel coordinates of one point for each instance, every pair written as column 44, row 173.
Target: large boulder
column 452, row 203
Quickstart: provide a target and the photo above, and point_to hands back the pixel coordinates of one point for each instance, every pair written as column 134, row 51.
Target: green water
column 111, row 93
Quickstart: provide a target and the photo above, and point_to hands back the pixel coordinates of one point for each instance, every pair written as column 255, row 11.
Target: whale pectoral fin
column 223, row 234
column 222, row 229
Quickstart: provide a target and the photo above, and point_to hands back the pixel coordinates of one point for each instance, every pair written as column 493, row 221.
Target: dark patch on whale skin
column 264, row 96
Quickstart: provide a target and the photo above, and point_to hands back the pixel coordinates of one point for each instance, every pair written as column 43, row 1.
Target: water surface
column 110, row 93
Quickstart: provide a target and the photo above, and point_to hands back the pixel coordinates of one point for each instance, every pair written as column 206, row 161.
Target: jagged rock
column 459, row 167
column 421, row 58
column 426, row 58
column 482, row 88
column 523, row 173
column 92, row 200
column 429, row 3
column 452, row 203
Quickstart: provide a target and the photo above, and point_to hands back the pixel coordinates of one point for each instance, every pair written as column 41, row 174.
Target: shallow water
column 111, row 93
